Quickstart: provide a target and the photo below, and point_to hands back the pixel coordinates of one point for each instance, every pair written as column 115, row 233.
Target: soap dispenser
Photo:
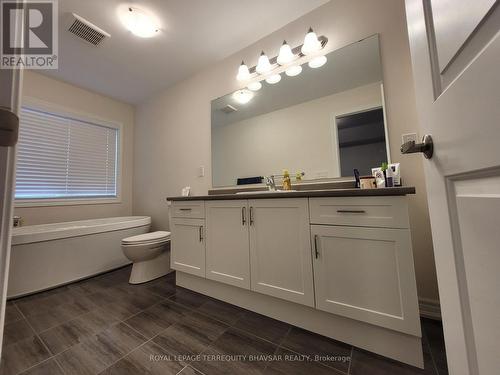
column 287, row 183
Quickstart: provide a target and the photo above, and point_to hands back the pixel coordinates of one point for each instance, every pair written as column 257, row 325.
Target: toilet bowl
column 149, row 255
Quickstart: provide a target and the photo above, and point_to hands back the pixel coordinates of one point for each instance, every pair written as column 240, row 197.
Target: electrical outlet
column 201, row 171
column 409, row 137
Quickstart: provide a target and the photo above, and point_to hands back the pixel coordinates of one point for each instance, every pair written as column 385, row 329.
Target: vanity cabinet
column 280, row 249
column 366, row 274
column 227, row 242
column 187, row 225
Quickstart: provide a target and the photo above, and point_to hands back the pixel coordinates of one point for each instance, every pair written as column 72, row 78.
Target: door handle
column 9, row 127
column 351, row 211
column 426, row 147
column 251, row 215
column 185, row 209
column 243, row 216
column 201, row 234
column 316, row 252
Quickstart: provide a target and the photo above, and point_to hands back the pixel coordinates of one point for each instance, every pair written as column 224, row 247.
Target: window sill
column 64, row 202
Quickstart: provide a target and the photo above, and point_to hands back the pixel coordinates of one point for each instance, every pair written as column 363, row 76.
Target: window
column 61, row 158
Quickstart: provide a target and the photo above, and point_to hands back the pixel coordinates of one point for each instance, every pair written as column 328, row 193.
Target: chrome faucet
column 17, row 221
column 270, row 183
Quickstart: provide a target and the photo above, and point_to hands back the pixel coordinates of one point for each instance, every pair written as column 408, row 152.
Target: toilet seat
column 147, row 239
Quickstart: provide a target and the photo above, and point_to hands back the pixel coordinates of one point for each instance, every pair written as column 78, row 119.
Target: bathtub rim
column 76, row 228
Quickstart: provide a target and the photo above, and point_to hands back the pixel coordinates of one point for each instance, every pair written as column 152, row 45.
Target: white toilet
column 149, row 255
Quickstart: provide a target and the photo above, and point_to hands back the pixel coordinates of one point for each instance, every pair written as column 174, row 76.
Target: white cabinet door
column 228, row 254
column 366, row 274
column 280, row 249
column 188, row 246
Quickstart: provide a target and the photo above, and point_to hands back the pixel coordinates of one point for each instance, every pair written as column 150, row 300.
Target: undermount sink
column 265, row 191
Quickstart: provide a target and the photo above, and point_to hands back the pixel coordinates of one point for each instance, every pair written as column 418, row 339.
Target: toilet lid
column 147, row 237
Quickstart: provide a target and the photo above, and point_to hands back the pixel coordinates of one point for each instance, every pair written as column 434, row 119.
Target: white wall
column 81, row 101
column 297, row 138
column 172, row 136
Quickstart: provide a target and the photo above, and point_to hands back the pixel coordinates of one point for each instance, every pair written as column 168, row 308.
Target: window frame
column 59, row 110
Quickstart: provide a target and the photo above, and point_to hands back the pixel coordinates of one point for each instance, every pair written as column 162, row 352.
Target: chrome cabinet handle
column 243, row 216
column 201, row 234
column 351, row 211
column 251, row 215
column 316, row 252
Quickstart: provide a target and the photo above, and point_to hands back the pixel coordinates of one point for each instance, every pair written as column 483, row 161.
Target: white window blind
column 62, row 157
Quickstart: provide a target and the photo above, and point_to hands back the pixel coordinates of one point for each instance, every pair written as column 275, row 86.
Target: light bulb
column 293, row 71
column 311, row 43
column 254, row 86
column 263, row 65
column 317, row 62
column 243, row 72
column 139, row 23
column 275, row 78
column 243, row 96
column 286, row 55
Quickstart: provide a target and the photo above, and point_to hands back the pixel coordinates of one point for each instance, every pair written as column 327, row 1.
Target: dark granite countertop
column 303, row 194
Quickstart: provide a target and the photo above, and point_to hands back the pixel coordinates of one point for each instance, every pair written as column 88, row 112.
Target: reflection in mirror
column 324, row 122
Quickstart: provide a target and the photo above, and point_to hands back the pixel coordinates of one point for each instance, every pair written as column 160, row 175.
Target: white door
column 10, row 93
column 228, row 249
column 455, row 49
column 280, row 249
column 366, row 274
column 187, row 252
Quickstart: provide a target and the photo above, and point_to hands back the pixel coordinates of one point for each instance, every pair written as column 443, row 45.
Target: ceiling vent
column 86, row 30
column 228, row 109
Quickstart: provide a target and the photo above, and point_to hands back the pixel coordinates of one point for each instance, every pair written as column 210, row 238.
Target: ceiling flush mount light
column 293, row 71
column 254, row 86
column 243, row 96
column 140, row 22
column 263, row 66
column 311, row 43
column 286, row 55
column 317, row 62
column 275, row 78
column 243, row 72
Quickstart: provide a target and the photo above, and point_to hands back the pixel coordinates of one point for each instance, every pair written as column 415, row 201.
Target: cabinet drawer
column 384, row 212
column 195, row 210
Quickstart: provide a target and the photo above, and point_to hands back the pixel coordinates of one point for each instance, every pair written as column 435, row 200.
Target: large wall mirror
column 324, row 122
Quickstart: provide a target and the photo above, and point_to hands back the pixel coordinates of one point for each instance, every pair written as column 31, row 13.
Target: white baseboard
column 429, row 308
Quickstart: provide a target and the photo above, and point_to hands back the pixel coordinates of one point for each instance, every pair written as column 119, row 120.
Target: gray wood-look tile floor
column 104, row 325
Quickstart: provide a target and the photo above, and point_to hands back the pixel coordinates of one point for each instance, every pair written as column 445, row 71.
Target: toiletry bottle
column 287, row 183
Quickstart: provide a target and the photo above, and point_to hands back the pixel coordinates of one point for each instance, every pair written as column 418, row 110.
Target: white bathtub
column 48, row 255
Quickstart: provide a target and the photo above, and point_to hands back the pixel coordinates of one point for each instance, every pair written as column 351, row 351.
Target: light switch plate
column 409, row 137
column 201, row 171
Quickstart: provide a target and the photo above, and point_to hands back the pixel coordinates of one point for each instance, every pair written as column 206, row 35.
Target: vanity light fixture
column 317, row 62
column 311, row 43
column 294, row 70
column 254, row 86
column 139, row 22
column 243, row 72
column 275, row 78
column 286, row 55
column 243, row 96
column 263, row 66
column 288, row 60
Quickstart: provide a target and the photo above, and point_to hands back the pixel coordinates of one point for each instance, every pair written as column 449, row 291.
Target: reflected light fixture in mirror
column 139, row 22
column 317, row 62
column 275, row 78
column 243, row 72
column 254, row 86
column 263, row 65
column 286, row 55
column 293, row 70
column 243, row 96
column 311, row 43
